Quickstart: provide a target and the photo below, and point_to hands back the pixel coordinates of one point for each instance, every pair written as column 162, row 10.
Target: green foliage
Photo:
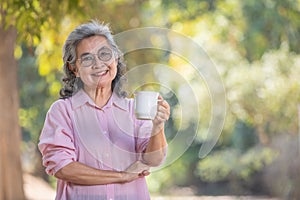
column 33, row 108
column 254, row 55
column 264, row 25
column 268, row 24
column 228, row 163
column 26, row 16
column 243, row 136
column 188, row 10
column 217, row 167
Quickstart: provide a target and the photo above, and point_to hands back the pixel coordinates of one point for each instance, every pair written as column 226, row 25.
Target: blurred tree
column 10, row 165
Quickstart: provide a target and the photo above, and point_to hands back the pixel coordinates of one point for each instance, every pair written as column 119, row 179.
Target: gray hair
column 71, row 83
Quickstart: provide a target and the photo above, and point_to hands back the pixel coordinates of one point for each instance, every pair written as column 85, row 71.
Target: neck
column 99, row 95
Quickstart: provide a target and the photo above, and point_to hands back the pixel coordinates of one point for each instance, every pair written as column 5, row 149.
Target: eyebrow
column 85, row 54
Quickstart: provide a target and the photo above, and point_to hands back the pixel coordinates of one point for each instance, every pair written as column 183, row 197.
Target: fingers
column 163, row 110
column 144, row 173
column 137, row 167
column 137, row 170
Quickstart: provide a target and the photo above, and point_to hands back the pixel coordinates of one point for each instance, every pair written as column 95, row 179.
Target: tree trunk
column 11, row 181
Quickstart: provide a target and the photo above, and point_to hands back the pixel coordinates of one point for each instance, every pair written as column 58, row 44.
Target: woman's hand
column 162, row 115
column 136, row 170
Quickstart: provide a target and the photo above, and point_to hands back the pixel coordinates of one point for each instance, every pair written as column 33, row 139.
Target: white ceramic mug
column 145, row 104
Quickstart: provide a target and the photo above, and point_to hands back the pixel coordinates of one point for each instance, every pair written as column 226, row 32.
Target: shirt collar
column 81, row 98
column 119, row 102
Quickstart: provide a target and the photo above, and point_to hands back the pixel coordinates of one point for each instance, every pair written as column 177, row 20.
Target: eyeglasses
column 104, row 54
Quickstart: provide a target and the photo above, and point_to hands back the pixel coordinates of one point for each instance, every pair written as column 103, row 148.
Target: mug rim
column 145, row 91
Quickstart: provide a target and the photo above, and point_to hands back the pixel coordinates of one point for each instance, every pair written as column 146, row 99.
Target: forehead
column 91, row 44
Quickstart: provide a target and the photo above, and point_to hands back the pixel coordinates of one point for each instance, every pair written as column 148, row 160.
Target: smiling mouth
column 102, row 73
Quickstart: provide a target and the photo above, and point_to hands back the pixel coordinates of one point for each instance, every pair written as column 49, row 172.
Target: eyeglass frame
column 93, row 62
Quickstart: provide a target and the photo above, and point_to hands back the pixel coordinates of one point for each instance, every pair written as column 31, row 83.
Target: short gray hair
column 71, row 84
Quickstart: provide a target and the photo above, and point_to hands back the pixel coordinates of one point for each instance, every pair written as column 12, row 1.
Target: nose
column 98, row 63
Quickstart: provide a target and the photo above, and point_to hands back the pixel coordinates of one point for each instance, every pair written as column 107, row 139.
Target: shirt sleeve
column 144, row 129
column 56, row 142
column 143, row 134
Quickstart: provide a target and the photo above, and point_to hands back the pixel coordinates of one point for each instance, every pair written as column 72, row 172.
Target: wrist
column 158, row 128
column 122, row 177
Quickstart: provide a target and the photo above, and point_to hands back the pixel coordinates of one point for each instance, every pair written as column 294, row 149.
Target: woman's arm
column 156, row 148
column 82, row 174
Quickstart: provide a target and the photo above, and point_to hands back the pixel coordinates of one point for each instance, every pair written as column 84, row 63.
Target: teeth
column 101, row 73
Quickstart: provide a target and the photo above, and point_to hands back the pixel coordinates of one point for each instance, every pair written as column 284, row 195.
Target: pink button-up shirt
column 108, row 138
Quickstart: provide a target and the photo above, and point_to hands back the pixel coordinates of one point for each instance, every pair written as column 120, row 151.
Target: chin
column 104, row 84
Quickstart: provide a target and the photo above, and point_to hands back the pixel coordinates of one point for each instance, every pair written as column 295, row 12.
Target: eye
column 104, row 54
column 87, row 58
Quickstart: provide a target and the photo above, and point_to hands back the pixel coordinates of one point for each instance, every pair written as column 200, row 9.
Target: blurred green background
column 255, row 47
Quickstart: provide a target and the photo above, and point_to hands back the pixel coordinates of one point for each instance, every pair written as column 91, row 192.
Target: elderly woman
column 91, row 140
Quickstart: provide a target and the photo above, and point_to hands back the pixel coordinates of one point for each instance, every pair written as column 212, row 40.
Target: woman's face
column 96, row 63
